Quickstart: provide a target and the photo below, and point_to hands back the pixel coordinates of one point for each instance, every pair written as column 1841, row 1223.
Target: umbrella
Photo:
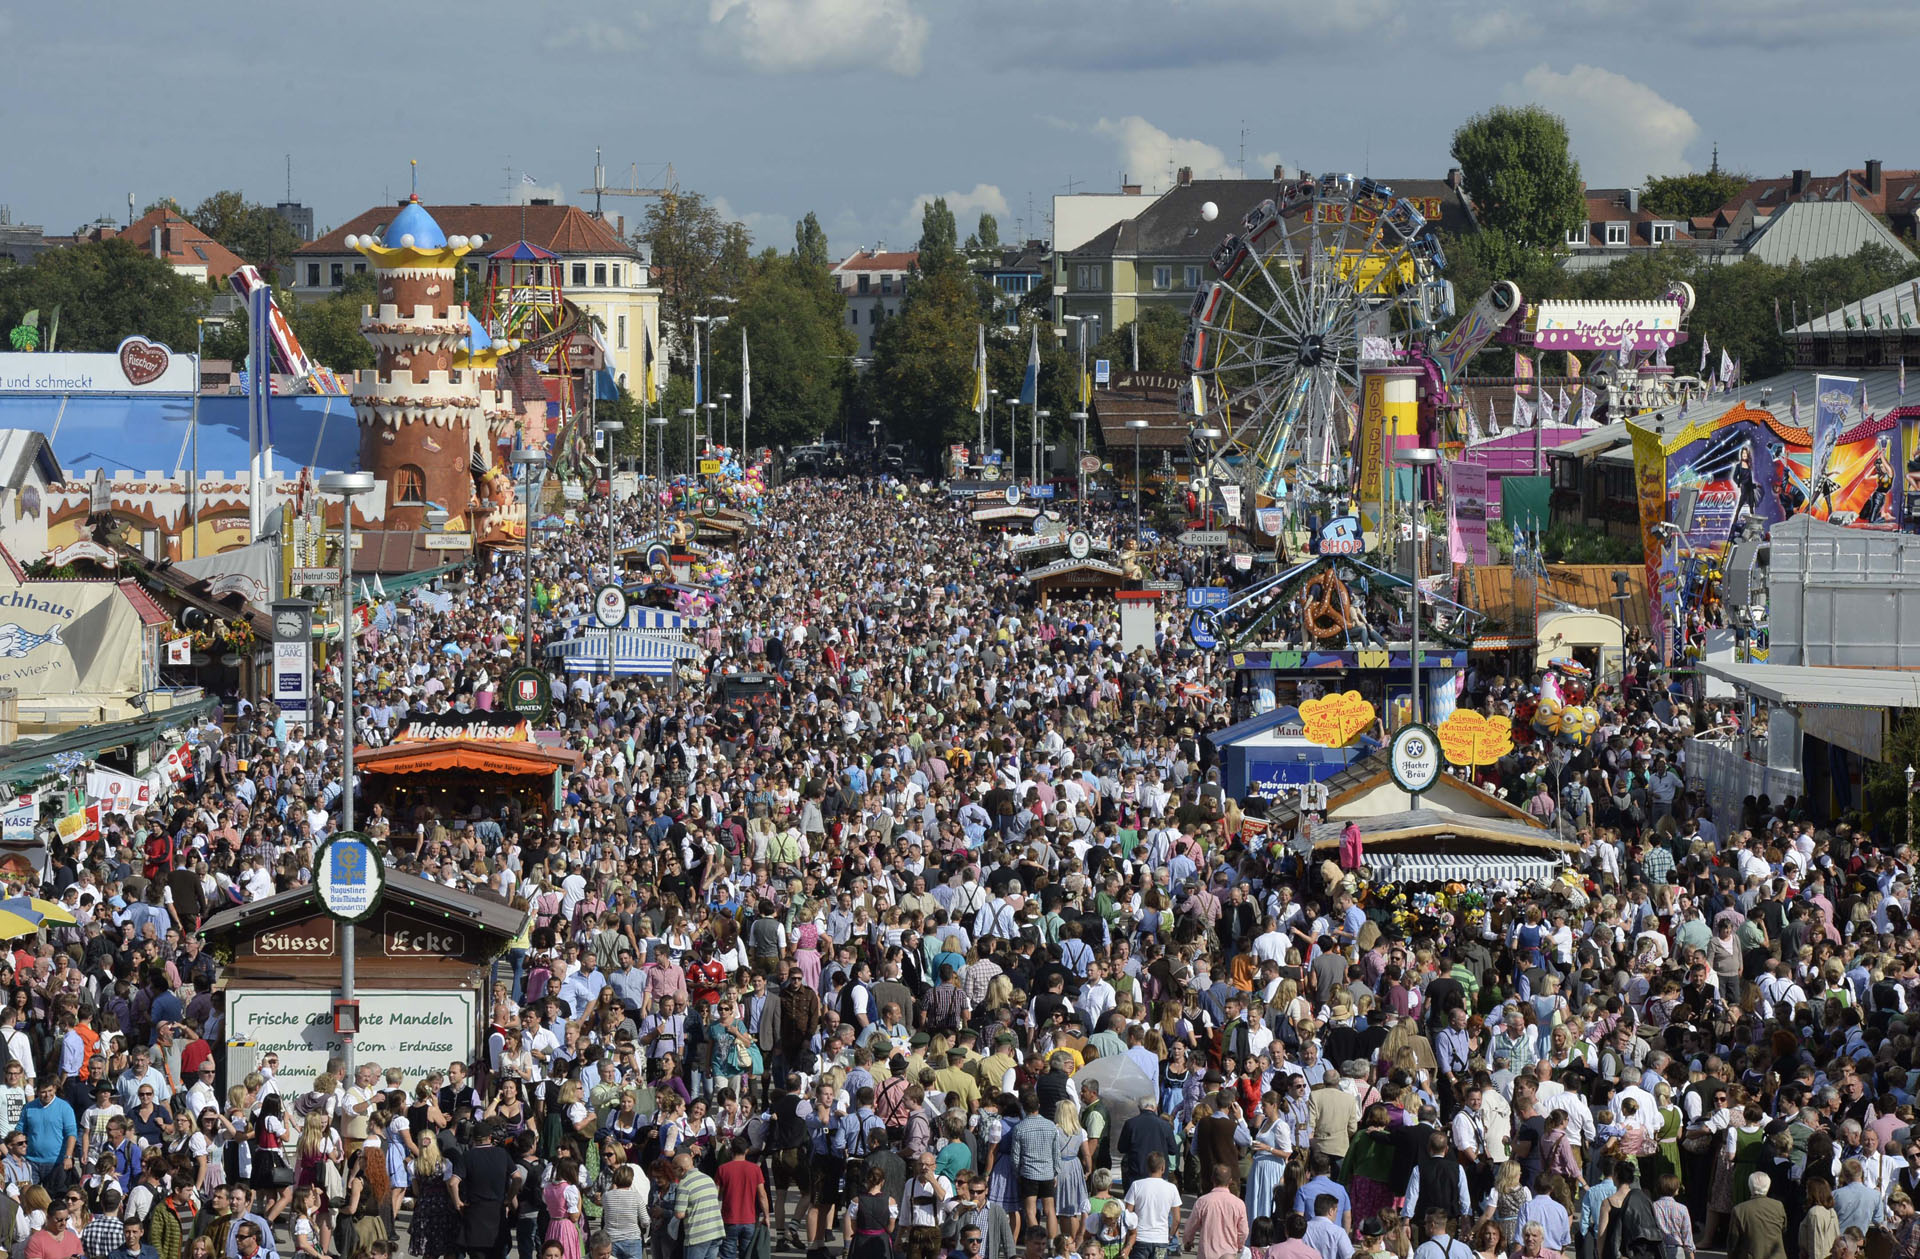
column 37, row 908
column 13, row 926
column 1123, row 1085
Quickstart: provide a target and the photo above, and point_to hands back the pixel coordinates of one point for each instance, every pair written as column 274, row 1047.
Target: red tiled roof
column 151, row 613
column 893, row 260
column 185, row 244
column 564, row 229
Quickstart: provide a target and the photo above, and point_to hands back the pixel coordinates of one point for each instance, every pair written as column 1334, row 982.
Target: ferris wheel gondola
column 1316, row 278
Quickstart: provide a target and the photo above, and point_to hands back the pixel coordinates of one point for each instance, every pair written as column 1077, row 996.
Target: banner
column 1835, row 399
column 116, row 792
column 180, row 651
column 1469, row 490
column 18, row 822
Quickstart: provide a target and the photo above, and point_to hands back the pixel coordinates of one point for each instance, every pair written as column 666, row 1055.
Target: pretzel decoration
column 1329, row 609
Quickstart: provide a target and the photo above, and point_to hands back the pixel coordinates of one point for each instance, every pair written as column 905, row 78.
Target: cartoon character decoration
column 1561, row 712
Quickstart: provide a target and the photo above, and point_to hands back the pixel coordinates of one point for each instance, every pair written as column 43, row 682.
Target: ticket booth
column 421, row 978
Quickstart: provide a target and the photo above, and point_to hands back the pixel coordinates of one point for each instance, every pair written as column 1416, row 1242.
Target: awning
column 658, row 620
column 1396, row 867
column 426, row 756
column 636, row 653
column 1802, row 684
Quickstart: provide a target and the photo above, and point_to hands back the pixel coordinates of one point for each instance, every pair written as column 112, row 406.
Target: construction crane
column 633, row 189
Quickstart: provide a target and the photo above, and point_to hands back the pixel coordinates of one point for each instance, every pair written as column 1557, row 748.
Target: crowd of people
column 955, row 946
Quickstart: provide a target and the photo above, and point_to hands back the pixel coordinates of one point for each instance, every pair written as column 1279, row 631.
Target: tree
column 329, row 329
column 695, row 255
column 810, row 243
column 256, row 232
column 1520, row 174
column 163, row 203
column 1690, row 196
column 107, row 291
column 794, row 320
column 1162, row 328
column 921, row 382
column 986, row 237
column 939, row 238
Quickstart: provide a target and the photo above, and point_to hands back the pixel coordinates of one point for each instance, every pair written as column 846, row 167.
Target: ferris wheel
column 1312, row 278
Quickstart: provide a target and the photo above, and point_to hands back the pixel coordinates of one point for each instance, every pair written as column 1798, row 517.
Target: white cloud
column 1622, row 131
column 525, row 193
column 767, row 230
column 967, row 208
column 1146, row 153
column 1481, row 29
column 801, row 35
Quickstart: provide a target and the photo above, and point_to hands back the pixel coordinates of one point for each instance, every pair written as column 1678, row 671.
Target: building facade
column 601, row 273
column 873, row 283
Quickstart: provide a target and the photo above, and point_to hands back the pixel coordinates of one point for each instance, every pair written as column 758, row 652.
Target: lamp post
column 1621, row 595
column 1419, row 458
column 1208, row 433
column 660, row 423
column 687, row 414
column 610, row 428
column 726, row 420
column 346, row 486
column 1079, row 453
column 1138, row 426
column 1040, row 415
column 532, row 465
column 193, row 433
column 1909, row 806
column 711, row 408
column 985, row 413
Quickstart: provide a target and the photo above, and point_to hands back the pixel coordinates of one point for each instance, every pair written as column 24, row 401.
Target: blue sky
column 861, row 109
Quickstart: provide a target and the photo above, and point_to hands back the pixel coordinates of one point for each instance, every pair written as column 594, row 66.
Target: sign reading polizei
column 348, row 875
column 1204, row 537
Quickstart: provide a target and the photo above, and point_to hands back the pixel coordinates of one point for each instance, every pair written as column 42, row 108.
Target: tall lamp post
column 660, row 422
column 1419, row 458
column 610, row 429
column 711, row 408
column 1909, row 806
column 531, row 464
column 1622, row 594
column 1079, row 453
column 1040, row 416
column 193, row 486
column 1013, row 438
column 1208, row 433
column 726, row 420
column 346, row 486
column 687, row 414
column 986, row 416
column 1138, row 426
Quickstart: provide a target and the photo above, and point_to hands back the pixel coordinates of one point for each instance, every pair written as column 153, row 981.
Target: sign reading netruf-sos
column 348, row 875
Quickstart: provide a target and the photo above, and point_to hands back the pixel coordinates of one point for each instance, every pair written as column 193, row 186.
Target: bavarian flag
column 646, row 368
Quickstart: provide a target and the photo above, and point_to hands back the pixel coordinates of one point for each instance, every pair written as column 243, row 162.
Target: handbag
column 332, row 1183
column 762, row 1245
column 279, row 1175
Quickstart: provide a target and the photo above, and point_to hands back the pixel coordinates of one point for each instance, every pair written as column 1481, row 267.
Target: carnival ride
column 289, row 356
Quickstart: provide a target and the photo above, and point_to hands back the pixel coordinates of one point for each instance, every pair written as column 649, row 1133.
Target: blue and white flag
column 1030, row 386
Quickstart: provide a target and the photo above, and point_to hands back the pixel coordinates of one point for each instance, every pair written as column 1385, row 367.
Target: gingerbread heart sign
column 143, row 361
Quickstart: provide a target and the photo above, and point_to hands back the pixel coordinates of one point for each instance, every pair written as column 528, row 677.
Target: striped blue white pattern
column 635, row 653
column 650, row 620
column 1396, row 867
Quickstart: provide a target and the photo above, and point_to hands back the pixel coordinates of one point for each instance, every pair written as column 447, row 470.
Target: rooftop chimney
column 1279, row 173
column 1454, row 178
column 1800, row 178
column 1129, row 190
column 620, row 225
column 1633, row 201
column 1873, row 175
column 1185, row 177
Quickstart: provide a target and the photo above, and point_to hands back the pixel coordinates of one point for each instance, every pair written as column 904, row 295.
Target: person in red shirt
column 743, row 1201
column 705, row 979
column 54, row 1240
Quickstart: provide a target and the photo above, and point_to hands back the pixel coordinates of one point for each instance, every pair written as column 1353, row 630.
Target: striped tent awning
column 636, row 653
column 1404, row 867
column 658, row 620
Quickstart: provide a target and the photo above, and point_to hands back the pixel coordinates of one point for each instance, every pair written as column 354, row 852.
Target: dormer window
column 1661, row 233
column 1577, row 235
column 1616, row 233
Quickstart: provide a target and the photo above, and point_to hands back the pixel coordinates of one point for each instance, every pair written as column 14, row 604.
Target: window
column 201, row 253
column 1089, row 276
column 853, row 317
column 409, row 485
column 359, row 268
column 1616, row 233
column 866, row 284
column 1577, row 235
column 337, row 274
column 1192, row 277
column 623, row 332
column 580, row 274
column 313, row 275
column 886, row 286
column 599, row 275
column 1163, row 277
column 1662, row 233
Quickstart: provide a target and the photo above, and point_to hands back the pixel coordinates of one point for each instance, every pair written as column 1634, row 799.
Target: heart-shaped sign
column 143, row 361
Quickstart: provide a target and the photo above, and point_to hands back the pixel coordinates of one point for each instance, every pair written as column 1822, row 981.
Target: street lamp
column 711, row 408
column 1138, row 426
column 660, row 422
column 1079, row 453
column 711, row 322
column 726, row 421
column 687, row 414
column 1013, row 438
column 1418, row 458
column 610, row 428
column 346, row 486
column 193, row 435
column 984, row 415
column 1621, row 595
column 532, row 465
column 1040, row 414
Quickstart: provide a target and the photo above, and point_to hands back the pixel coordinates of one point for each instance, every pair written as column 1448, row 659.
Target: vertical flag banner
column 1703, row 354
column 1030, row 385
column 646, row 368
column 746, row 386
column 1522, row 371
column 979, row 369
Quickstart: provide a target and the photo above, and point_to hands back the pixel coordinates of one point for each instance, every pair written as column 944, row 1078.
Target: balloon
column 1123, row 1086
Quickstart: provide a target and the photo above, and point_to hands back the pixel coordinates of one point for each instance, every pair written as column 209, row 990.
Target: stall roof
column 408, row 889
column 1415, row 830
column 1259, row 723
column 1801, row 684
column 496, row 756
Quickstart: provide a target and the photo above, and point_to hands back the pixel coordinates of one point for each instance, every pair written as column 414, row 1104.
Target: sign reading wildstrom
column 417, row 1032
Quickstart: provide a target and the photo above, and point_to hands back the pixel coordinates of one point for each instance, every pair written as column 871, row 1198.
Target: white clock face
column 287, row 625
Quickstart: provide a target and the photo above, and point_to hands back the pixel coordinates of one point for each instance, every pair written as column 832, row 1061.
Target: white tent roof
column 1801, row 684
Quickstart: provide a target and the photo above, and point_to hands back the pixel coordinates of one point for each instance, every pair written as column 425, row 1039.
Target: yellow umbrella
column 13, row 926
column 55, row 911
